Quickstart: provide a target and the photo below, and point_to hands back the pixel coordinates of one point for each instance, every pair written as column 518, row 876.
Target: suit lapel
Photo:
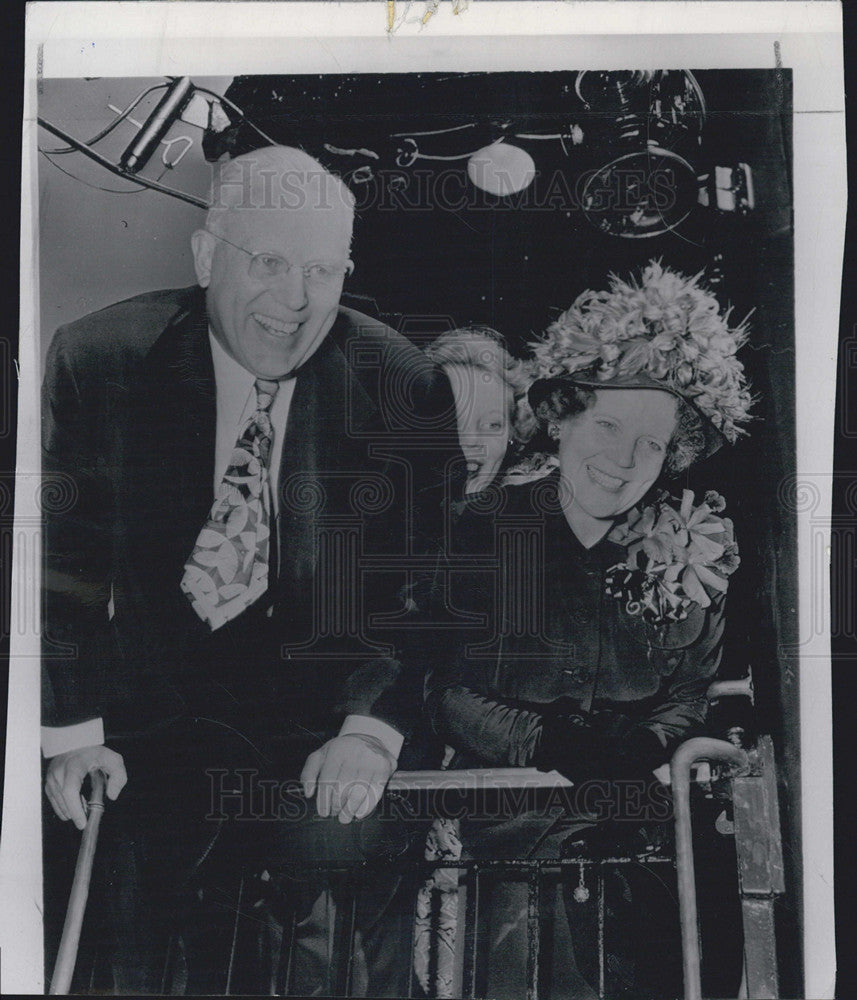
column 172, row 434
column 329, row 414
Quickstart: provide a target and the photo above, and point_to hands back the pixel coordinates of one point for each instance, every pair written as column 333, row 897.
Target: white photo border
column 150, row 39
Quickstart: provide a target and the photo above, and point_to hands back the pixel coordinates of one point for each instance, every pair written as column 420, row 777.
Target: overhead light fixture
column 644, row 134
column 501, row 169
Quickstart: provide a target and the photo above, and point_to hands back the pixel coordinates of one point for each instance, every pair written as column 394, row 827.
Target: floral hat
column 665, row 333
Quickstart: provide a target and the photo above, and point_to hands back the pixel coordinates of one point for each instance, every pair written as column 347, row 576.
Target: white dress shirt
column 236, row 404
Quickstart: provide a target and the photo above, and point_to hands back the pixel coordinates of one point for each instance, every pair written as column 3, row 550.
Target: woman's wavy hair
column 687, row 444
column 465, row 346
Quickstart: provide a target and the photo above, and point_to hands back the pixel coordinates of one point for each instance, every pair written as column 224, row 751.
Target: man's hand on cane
column 349, row 773
column 66, row 773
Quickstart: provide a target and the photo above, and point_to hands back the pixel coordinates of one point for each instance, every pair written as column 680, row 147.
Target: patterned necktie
column 228, row 568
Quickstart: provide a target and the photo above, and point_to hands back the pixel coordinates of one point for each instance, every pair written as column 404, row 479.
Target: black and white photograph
column 420, row 507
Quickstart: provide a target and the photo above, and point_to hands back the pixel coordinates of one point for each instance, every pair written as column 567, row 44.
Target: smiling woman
column 613, row 443
column 492, row 412
column 611, row 453
column 595, row 660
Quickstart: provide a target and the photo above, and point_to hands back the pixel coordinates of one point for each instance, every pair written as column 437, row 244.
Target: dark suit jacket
column 129, row 432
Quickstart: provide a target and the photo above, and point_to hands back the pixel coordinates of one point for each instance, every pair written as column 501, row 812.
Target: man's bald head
column 274, row 178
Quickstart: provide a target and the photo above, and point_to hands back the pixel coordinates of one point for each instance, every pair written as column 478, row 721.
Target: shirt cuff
column 62, row 739
column 368, row 725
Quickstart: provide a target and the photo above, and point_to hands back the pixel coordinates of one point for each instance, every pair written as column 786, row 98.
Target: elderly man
column 253, row 467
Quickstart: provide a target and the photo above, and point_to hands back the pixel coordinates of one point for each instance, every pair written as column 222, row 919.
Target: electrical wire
column 649, row 869
column 116, row 169
column 109, row 128
column 89, row 184
column 436, row 131
column 80, row 146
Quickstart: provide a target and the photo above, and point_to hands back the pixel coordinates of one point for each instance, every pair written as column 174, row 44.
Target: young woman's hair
column 484, row 348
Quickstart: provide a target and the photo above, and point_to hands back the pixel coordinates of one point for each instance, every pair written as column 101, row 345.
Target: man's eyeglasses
column 270, row 266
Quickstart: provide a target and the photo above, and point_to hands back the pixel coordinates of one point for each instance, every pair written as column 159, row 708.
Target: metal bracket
column 760, row 866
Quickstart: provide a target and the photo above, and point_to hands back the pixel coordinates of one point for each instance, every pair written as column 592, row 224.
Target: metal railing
column 689, row 765
column 758, row 881
column 537, row 873
column 476, row 878
column 686, row 758
column 689, row 753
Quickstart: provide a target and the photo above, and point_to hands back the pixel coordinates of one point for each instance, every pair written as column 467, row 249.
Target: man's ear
column 202, row 243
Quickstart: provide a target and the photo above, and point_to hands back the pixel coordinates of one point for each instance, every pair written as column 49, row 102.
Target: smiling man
column 209, row 633
column 272, row 289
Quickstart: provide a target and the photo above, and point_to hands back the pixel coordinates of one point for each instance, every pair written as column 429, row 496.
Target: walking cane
column 70, row 941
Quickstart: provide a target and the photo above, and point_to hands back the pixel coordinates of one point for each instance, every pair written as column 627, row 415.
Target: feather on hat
column 665, row 332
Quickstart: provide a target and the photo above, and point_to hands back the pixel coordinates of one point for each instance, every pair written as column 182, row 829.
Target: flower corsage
column 679, row 554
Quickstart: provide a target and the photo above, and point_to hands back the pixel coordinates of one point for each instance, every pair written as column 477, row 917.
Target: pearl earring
column 553, row 432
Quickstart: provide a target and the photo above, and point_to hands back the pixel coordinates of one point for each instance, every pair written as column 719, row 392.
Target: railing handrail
column 689, row 754
column 486, row 779
column 691, row 751
column 477, row 779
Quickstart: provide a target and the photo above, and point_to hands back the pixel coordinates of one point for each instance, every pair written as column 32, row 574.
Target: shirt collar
column 226, row 368
column 234, row 383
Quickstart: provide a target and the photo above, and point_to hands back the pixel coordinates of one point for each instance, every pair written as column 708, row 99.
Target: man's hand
column 349, row 773
column 65, row 777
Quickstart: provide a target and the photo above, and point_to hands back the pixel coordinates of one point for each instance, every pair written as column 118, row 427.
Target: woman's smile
column 612, row 484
